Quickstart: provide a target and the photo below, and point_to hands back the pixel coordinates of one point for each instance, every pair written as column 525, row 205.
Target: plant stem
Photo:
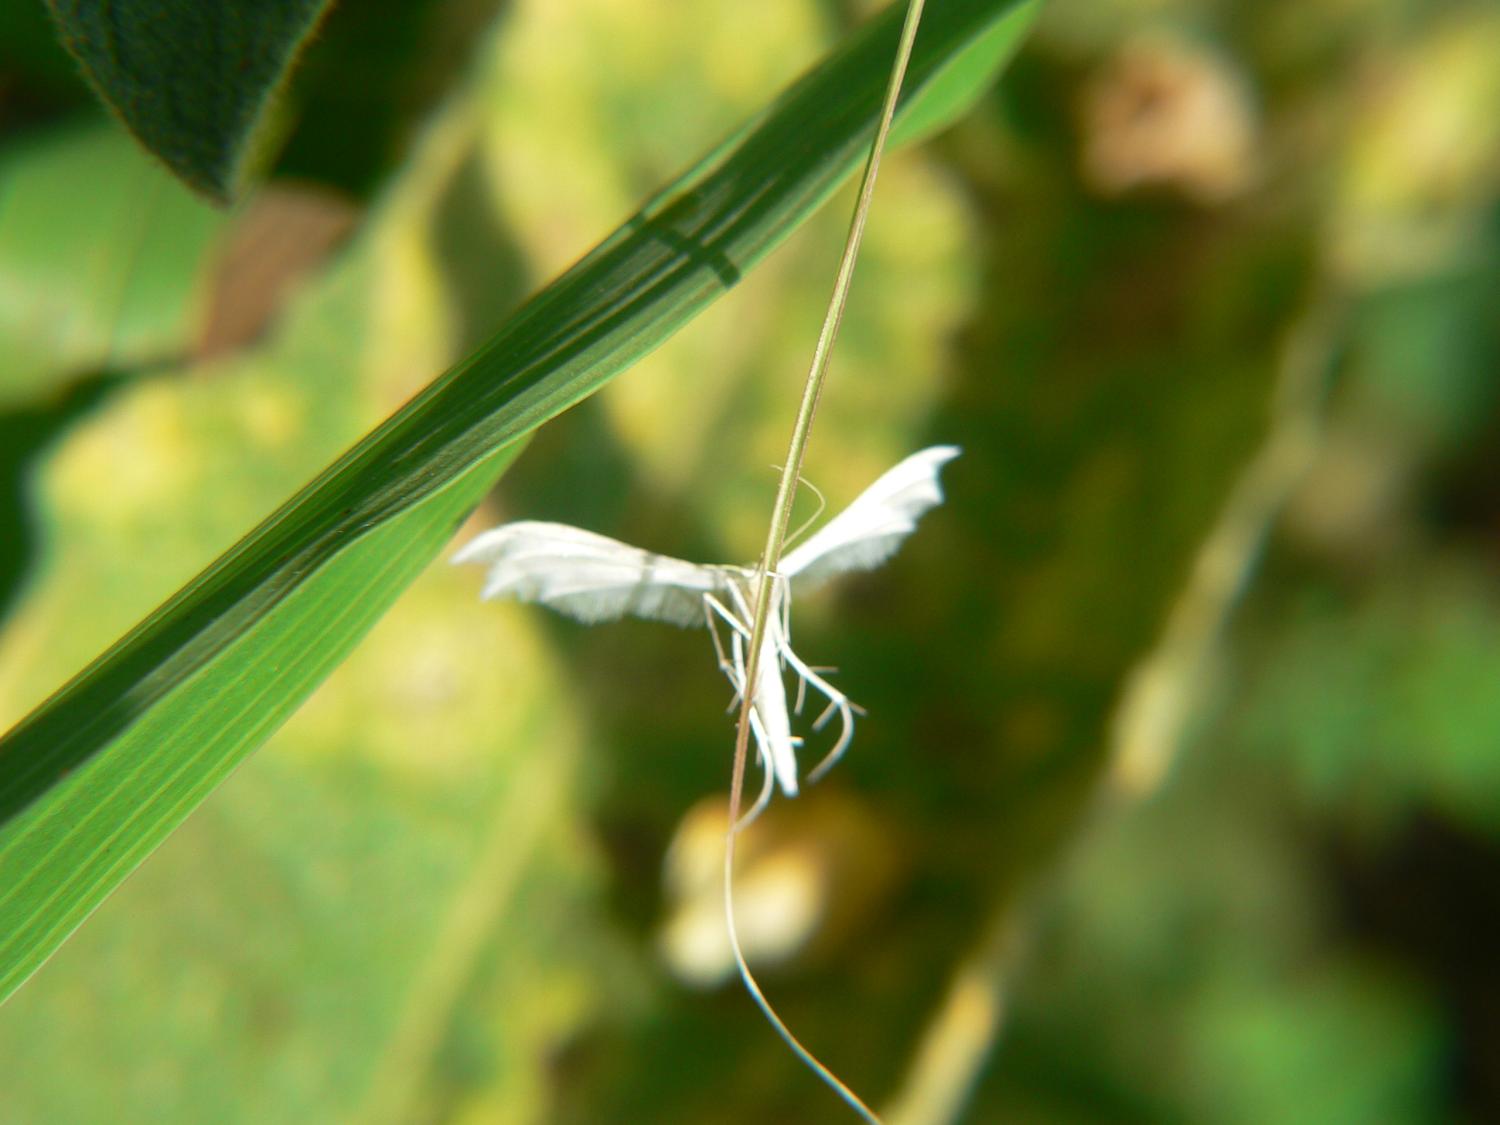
column 786, row 494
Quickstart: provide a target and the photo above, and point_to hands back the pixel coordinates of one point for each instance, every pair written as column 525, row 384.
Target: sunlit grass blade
column 102, row 772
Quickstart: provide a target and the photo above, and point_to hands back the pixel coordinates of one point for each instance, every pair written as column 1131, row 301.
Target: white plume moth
column 594, row 578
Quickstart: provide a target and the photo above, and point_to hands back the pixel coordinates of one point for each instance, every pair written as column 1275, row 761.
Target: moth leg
column 833, row 756
column 768, row 783
column 738, row 677
column 735, row 672
column 715, row 607
column 782, row 757
column 778, row 620
column 809, row 675
column 726, row 667
column 747, row 616
column 846, row 709
column 741, row 604
column 837, row 702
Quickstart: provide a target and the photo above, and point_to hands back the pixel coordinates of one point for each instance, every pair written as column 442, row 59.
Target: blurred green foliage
column 429, row 900
column 105, row 282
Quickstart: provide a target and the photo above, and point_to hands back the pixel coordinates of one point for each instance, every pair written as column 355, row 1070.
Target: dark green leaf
column 191, row 80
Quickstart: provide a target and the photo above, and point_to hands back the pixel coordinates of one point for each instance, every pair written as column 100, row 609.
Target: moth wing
column 587, row 576
column 869, row 530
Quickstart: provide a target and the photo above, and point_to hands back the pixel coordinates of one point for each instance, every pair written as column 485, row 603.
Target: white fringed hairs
column 594, row 578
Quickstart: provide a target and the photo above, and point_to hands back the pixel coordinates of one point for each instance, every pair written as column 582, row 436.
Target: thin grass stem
column 770, row 561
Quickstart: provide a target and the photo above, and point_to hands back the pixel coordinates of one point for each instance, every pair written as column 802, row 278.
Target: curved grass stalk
column 766, row 572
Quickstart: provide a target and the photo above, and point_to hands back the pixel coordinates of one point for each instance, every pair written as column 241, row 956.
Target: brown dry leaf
column 1173, row 114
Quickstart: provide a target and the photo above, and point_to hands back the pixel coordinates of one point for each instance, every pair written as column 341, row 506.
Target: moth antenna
column 806, row 525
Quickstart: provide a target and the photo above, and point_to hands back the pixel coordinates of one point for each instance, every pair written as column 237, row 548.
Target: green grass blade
column 102, row 772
